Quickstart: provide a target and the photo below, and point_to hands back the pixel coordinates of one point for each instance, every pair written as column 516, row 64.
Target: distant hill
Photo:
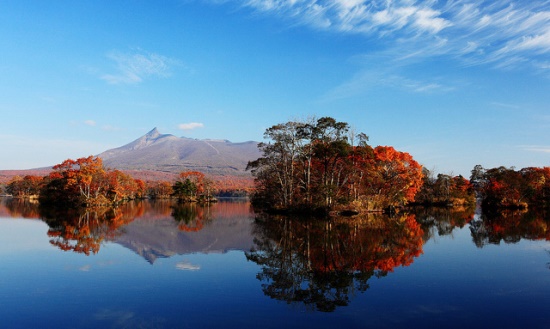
column 156, row 156
column 168, row 153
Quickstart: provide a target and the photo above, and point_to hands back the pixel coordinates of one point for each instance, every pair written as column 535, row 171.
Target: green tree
column 301, row 164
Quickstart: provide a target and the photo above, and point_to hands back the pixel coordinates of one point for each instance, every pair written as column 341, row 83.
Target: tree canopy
column 503, row 187
column 85, row 182
column 315, row 165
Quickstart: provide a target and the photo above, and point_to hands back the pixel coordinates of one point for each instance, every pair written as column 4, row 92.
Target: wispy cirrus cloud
column 536, row 148
column 134, row 67
column 367, row 80
column 504, row 34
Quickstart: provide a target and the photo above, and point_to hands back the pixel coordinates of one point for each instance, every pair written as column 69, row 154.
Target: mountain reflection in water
column 152, row 229
column 217, row 228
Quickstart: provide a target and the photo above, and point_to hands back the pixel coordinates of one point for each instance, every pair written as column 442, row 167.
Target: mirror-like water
column 163, row 265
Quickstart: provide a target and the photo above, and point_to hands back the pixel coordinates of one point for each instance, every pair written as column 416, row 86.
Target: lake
column 164, row 265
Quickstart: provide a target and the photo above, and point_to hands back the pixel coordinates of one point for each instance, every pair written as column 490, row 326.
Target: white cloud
column 505, row 34
column 368, row 80
column 541, row 42
column 536, row 148
column 90, row 123
column 427, row 19
column 186, row 266
column 133, row 68
column 190, row 125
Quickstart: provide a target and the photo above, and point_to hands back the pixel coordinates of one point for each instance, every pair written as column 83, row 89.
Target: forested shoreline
column 316, row 166
column 85, row 182
column 325, row 166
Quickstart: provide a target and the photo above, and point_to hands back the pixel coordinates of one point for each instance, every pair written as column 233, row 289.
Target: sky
column 454, row 83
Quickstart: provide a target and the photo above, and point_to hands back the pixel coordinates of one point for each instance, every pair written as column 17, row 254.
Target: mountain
column 168, row 153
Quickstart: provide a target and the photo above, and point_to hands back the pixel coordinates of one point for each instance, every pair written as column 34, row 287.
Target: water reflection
column 345, row 248
column 443, row 221
column 151, row 229
column 510, row 226
column 188, row 229
column 192, row 217
column 16, row 207
column 321, row 264
column 83, row 230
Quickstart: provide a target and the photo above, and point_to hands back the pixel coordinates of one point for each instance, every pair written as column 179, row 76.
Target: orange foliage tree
column 27, row 186
column 159, row 190
column 84, row 181
column 396, row 177
column 194, row 186
column 312, row 165
column 509, row 188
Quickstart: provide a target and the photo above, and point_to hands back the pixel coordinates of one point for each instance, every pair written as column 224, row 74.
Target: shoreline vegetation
column 316, row 167
column 324, row 167
column 85, row 183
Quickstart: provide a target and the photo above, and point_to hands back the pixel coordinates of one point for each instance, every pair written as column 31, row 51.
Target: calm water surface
column 160, row 265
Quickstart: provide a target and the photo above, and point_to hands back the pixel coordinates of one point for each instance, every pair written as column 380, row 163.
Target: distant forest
column 85, row 182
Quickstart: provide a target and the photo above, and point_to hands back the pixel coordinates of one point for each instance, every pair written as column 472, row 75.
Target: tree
column 193, row 186
column 395, row 178
column 301, row 165
column 330, row 149
column 160, row 190
column 80, row 181
column 278, row 165
column 85, row 182
column 122, row 186
column 27, row 186
column 313, row 166
column 509, row 188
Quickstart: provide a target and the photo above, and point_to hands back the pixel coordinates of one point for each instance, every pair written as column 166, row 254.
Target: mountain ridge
column 156, row 156
column 169, row 153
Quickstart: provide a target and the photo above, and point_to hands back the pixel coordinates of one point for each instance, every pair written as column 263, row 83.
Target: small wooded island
column 319, row 166
column 324, row 166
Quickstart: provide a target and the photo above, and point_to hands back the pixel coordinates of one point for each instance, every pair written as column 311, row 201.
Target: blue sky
column 454, row 83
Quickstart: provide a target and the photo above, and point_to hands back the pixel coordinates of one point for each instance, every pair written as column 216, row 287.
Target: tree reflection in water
column 22, row 207
column 191, row 216
column 322, row 263
column 83, row 230
column 510, row 226
column 440, row 221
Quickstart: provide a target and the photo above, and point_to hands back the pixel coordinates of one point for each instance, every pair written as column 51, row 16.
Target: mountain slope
column 168, row 153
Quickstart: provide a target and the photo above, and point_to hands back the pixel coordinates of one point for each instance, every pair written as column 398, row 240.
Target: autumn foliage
column 194, row 186
column 316, row 165
column 86, row 182
column 504, row 187
column 84, row 230
column 445, row 190
column 321, row 264
column 27, row 186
